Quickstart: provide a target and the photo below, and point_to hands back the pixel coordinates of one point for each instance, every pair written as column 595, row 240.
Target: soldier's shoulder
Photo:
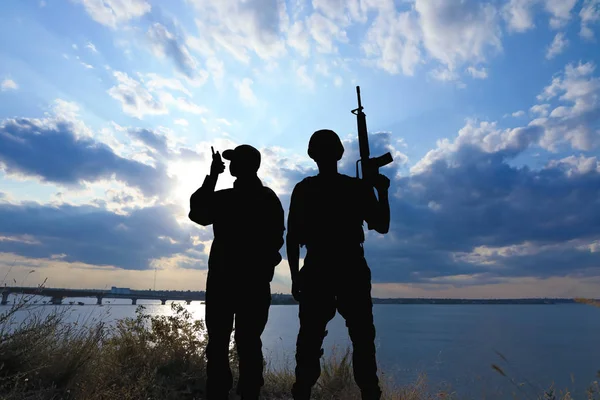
column 351, row 180
column 224, row 192
column 269, row 192
column 354, row 184
column 307, row 181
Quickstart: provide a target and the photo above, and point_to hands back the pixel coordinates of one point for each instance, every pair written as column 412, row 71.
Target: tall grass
column 47, row 357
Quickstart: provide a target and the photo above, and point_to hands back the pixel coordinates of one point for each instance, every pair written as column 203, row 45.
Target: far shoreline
column 284, row 299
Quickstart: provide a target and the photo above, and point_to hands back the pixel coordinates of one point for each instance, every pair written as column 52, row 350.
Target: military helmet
column 325, row 144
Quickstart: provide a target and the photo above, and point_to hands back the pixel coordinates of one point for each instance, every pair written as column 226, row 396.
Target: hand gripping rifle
column 369, row 166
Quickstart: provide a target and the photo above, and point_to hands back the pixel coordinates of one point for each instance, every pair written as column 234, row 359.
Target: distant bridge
column 58, row 294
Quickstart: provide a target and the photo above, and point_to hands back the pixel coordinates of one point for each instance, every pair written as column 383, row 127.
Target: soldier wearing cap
column 248, row 225
column 326, row 216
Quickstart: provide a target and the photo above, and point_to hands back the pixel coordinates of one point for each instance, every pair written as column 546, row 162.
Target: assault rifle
column 369, row 166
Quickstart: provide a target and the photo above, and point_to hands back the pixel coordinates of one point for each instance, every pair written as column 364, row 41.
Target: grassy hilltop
column 154, row 357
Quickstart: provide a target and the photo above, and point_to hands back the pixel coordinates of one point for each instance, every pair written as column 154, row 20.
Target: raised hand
column 381, row 183
column 217, row 166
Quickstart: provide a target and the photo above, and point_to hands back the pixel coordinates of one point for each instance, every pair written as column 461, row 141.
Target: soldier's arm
column 292, row 240
column 202, row 202
column 276, row 222
column 378, row 209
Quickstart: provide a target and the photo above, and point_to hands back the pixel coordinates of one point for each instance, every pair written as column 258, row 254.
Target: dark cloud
column 158, row 144
column 465, row 211
column 479, row 200
column 95, row 235
column 52, row 151
column 152, row 139
column 470, row 199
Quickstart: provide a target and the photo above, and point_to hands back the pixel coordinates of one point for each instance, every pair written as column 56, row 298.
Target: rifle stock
column 369, row 166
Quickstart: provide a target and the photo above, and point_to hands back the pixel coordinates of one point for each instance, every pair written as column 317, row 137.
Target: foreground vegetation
column 154, row 357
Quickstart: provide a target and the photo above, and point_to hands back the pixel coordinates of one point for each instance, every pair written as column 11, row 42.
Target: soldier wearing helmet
column 248, row 225
column 326, row 216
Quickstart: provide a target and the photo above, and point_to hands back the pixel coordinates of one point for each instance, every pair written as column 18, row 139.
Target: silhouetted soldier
column 326, row 215
column 248, row 224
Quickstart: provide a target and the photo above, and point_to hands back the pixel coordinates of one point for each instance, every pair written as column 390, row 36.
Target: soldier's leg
column 251, row 317
column 355, row 304
column 219, row 324
column 316, row 309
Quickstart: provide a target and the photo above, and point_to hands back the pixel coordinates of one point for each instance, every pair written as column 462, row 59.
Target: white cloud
column 324, row 31
column 216, row 68
column 484, row 135
column 589, row 14
column 135, row 100
column 182, row 103
column 540, row 109
column 240, row 27
column 458, row 32
column 74, row 46
column 332, row 9
column 154, row 82
column 452, row 33
column 200, row 44
column 299, row 38
column 88, row 66
column 518, row 114
column 303, row 78
column 65, row 110
column 559, row 44
column 322, row 69
column 444, row 74
column 519, row 14
column 115, row 12
column 575, row 121
column 245, row 92
column 188, row 106
column 477, row 73
column 92, row 47
column 577, row 165
column 338, row 81
column 165, row 44
column 560, row 11
column 223, row 121
column 182, row 122
column 8, row 84
column 392, row 42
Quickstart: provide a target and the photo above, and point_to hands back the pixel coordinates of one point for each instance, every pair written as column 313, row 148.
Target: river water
column 452, row 344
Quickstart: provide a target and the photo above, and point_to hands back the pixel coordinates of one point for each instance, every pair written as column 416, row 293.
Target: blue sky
column 108, row 109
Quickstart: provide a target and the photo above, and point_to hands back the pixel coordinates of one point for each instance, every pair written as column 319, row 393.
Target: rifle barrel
column 358, row 95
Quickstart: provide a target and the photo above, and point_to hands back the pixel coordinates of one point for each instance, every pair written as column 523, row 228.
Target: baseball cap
column 245, row 154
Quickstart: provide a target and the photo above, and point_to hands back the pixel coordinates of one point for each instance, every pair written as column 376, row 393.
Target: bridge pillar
column 5, row 298
column 56, row 300
column 99, row 300
column 163, row 301
column 133, row 302
column 188, row 302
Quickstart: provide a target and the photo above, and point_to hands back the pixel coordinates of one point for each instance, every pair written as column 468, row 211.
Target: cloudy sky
column 108, row 109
